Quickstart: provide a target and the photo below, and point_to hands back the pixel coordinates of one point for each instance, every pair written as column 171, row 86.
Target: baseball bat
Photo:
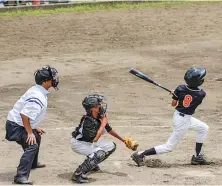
column 146, row 78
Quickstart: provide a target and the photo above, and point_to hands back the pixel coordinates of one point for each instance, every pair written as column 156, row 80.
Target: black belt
column 181, row 114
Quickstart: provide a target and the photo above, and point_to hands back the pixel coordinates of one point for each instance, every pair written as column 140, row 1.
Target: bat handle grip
column 165, row 88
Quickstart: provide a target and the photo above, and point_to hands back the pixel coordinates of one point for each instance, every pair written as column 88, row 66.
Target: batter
column 186, row 98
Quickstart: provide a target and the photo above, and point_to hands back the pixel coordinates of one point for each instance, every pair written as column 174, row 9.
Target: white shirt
column 32, row 104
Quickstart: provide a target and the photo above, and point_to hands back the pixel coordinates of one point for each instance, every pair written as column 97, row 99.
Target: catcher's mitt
column 131, row 144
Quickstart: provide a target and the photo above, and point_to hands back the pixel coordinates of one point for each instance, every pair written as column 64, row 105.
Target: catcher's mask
column 45, row 74
column 93, row 100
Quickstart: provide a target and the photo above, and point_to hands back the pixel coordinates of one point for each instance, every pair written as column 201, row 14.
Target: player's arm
column 30, row 111
column 114, row 134
column 31, row 137
column 175, row 96
column 174, row 102
column 104, row 121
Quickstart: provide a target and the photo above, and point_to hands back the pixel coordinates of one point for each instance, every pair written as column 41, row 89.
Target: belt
column 181, row 114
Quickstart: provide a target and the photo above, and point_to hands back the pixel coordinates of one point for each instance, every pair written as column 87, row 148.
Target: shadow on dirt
column 68, row 175
column 157, row 163
column 7, row 176
column 120, row 174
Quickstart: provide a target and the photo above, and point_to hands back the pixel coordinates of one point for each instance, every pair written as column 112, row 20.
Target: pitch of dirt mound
column 93, row 52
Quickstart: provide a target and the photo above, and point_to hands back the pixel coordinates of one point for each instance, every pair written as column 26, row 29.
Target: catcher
column 86, row 137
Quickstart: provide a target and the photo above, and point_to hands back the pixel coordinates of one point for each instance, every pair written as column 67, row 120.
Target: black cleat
column 139, row 159
column 199, row 160
column 22, row 181
column 80, row 178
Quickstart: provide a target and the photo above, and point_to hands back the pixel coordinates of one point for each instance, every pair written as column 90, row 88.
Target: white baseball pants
column 87, row 148
column 181, row 126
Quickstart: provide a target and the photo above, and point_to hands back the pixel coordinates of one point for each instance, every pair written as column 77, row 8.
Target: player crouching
column 186, row 98
column 86, row 137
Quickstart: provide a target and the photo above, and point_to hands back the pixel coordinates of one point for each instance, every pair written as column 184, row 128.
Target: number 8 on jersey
column 187, row 100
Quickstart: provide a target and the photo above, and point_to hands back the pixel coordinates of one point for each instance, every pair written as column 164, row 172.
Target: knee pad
column 99, row 156
column 91, row 163
column 113, row 150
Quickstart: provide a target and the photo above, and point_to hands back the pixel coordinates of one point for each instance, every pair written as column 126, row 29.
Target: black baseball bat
column 146, row 78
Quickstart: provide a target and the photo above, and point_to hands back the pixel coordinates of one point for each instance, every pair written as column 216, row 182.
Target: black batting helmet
column 92, row 100
column 194, row 77
column 45, row 74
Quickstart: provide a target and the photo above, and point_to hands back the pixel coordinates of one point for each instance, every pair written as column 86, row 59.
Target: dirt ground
column 93, row 52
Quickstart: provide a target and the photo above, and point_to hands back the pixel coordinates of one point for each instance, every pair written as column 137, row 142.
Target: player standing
column 186, row 98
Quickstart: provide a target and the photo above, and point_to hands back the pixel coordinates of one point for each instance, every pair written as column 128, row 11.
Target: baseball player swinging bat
column 146, row 78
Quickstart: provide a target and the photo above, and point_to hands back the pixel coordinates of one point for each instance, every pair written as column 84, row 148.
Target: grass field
column 96, row 7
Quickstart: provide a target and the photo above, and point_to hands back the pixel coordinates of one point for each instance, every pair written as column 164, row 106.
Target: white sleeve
column 31, row 110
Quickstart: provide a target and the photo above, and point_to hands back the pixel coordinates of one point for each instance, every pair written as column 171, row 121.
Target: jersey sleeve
column 203, row 95
column 31, row 109
column 89, row 131
column 108, row 127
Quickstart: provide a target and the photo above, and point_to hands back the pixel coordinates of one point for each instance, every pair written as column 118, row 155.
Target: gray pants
column 29, row 158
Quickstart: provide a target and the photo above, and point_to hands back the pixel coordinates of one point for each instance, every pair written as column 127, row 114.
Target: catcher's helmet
column 45, row 74
column 194, row 77
column 92, row 100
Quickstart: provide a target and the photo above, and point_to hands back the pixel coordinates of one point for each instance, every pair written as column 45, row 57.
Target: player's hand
column 31, row 140
column 104, row 120
column 40, row 131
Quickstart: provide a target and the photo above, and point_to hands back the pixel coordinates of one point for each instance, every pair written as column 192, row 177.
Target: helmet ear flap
column 201, row 81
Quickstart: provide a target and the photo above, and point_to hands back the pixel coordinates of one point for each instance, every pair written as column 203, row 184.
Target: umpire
column 23, row 121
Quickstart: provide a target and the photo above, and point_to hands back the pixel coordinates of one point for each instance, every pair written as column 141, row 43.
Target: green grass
column 95, row 7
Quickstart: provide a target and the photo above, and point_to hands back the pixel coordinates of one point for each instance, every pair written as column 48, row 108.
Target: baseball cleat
column 199, row 160
column 80, row 178
column 22, row 181
column 139, row 159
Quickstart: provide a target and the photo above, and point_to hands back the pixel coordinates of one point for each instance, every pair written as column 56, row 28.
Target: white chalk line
column 69, row 128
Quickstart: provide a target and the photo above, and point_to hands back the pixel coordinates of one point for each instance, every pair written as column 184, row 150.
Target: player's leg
column 108, row 146
column 181, row 125
column 35, row 163
column 201, row 130
column 82, row 147
column 95, row 155
column 24, row 167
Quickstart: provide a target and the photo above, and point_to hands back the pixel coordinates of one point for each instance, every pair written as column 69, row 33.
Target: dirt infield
column 93, row 52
